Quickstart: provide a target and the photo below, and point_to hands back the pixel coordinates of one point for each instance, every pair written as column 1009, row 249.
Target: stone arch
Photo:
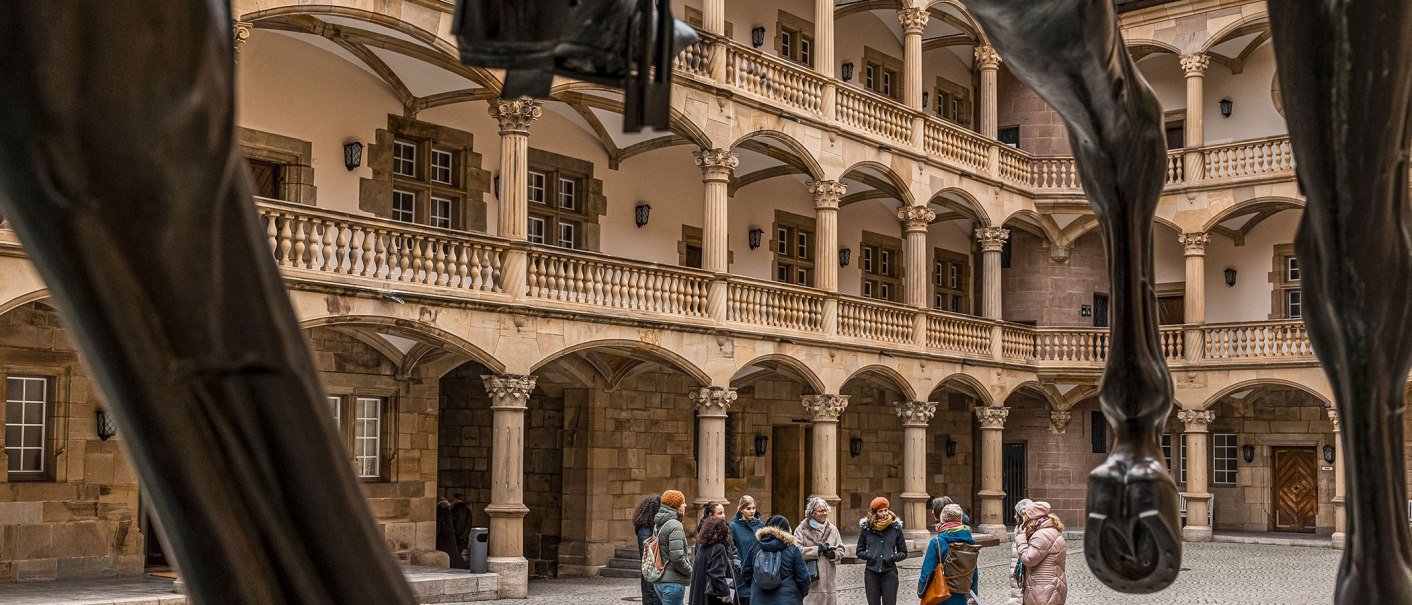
column 1248, row 22
column 659, row 354
column 571, row 93
column 805, row 160
column 1142, row 47
column 900, row 188
column 886, row 374
column 1041, row 225
column 414, row 330
column 1044, row 392
column 784, row 364
column 1257, row 204
column 1256, row 383
column 965, row 15
column 24, row 299
column 968, row 206
column 965, row 383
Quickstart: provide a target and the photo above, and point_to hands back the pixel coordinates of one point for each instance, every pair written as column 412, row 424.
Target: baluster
column 271, row 233
column 284, row 241
column 439, row 261
column 301, row 243
column 330, row 254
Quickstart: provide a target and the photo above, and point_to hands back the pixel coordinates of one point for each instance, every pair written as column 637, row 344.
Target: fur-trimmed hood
column 865, row 525
column 772, row 539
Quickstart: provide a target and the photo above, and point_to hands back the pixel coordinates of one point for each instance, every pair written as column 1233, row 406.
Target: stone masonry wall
column 1056, row 465
column 1042, row 132
column 952, row 476
column 1038, row 289
column 877, row 471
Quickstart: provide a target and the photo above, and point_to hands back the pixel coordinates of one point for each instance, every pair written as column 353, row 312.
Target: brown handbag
column 936, row 591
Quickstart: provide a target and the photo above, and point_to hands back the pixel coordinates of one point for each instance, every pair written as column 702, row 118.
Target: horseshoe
column 1130, row 542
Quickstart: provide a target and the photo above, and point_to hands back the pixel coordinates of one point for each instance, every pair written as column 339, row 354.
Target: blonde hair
column 952, row 513
column 745, row 501
column 1029, row 526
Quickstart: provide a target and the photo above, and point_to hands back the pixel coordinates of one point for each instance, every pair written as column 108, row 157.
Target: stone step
column 625, row 553
column 610, row 572
column 631, row 564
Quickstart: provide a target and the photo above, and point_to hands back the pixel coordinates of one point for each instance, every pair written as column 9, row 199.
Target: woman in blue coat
column 951, row 531
column 743, row 528
column 776, row 538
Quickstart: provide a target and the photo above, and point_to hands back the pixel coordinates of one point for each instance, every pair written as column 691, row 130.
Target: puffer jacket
column 1043, row 554
column 671, row 540
column 795, row 576
column 881, row 549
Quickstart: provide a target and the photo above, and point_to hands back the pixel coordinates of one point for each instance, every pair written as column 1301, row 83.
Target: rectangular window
column 404, row 159
column 887, row 83
column 1167, row 450
column 885, row 291
column 568, row 194
column 782, row 274
column 1098, row 429
column 786, row 43
column 868, row 252
column 536, row 230
column 567, row 237
column 441, row 212
column 868, row 289
column 1009, row 136
column 870, row 76
column 1223, row 459
column 885, row 262
column 26, row 423
column 1291, row 269
column 803, row 244
column 782, row 240
column 806, row 51
column 367, row 437
column 1181, row 462
column 536, row 187
column 334, row 403
column 794, row 263
column 404, row 206
column 1294, row 304
column 442, row 163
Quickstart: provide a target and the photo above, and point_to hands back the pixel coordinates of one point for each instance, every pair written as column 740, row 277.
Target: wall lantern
column 1329, row 454
column 844, row 256
column 757, row 36
column 855, row 447
column 924, row 98
column 755, row 233
column 1230, row 276
column 1248, row 452
column 1226, row 106
column 950, row 447
column 762, row 443
column 352, row 155
column 847, row 71
column 640, row 214
column 106, row 426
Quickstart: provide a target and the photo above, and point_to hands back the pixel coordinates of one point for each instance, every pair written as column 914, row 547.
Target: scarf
column 953, row 526
column 815, row 524
column 882, row 524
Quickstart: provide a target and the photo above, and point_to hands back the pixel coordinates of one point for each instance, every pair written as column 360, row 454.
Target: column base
column 918, row 535
column 997, row 530
column 1337, row 540
column 514, row 576
column 1193, row 533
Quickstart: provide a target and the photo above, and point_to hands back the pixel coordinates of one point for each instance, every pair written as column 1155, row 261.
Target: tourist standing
column 714, row 576
column 776, row 573
column 1040, row 545
column 671, row 540
column 461, row 523
column 951, row 531
column 644, row 523
column 716, row 510
column 881, row 544
column 743, row 528
column 1017, row 568
column 446, row 536
column 939, row 503
column 820, row 541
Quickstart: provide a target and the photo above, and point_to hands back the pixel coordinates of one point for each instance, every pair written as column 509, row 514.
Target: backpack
column 960, row 566
column 767, row 569
column 652, row 564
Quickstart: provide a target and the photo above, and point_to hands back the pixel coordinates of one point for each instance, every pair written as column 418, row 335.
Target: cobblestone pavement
column 1214, row 574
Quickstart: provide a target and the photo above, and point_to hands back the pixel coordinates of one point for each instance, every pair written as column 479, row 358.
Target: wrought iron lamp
column 755, row 233
column 1329, row 454
column 762, row 443
column 757, row 36
column 1226, row 106
column 352, row 155
column 106, row 426
column 924, row 98
column 1230, row 276
column 1248, row 452
column 855, row 447
column 641, row 213
column 950, row 447
column 844, row 256
column 847, row 71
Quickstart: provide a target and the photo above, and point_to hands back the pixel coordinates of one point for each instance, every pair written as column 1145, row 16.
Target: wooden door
column 1296, row 488
column 787, row 466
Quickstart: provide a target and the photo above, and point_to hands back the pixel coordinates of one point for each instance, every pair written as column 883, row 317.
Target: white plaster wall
column 1253, row 114
column 1249, row 299
column 670, row 182
column 946, row 63
column 1168, row 256
column 755, row 206
column 745, row 15
column 867, row 29
column 1163, row 72
column 877, row 216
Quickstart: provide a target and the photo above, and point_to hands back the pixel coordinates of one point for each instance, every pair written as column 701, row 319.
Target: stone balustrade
column 875, row 114
column 871, row 320
column 1248, row 158
column 1257, row 340
column 606, row 282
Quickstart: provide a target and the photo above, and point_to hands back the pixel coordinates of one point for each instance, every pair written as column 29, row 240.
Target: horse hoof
column 1133, row 540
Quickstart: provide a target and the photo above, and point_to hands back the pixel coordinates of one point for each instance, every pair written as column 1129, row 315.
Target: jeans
column 880, row 588
column 671, row 593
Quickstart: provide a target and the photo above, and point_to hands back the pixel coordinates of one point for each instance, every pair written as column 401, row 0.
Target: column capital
column 509, row 391
column 916, row 218
column 1195, row 64
column 827, row 194
column 515, row 115
column 1197, row 421
column 915, row 413
column 1195, row 243
column 1333, row 417
column 913, row 20
column 1059, row 419
column 716, row 164
column 241, row 30
column 712, row 401
column 825, row 408
column 987, row 58
column 992, row 239
column 992, row 418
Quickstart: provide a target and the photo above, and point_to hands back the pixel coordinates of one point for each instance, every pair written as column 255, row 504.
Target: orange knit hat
column 879, row 502
column 673, row 498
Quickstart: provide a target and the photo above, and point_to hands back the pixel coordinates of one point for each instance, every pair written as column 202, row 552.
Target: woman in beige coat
column 820, row 541
column 1040, row 545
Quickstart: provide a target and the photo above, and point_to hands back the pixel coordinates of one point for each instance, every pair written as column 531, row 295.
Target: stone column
column 1198, row 496
column 992, row 520
column 992, row 241
column 823, row 37
column 1194, row 65
column 826, row 197
column 1340, row 518
column 716, row 166
column 988, row 62
column 509, row 398
column 713, row 17
column 915, row 415
column 915, row 220
column 711, row 405
column 512, row 223
column 824, row 411
column 1194, row 298
column 914, row 22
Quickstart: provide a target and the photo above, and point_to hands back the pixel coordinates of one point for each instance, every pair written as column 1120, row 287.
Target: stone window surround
column 694, row 236
column 799, row 26
column 1276, row 277
column 387, row 446
column 965, row 115
column 469, row 208
column 799, row 224
column 56, row 421
column 959, row 259
column 898, row 272
column 1174, row 289
column 592, row 203
column 888, row 63
column 295, row 156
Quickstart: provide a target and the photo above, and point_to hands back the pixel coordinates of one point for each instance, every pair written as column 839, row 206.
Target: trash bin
column 480, row 548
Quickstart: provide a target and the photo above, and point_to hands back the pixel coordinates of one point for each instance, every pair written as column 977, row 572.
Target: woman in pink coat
column 1039, row 542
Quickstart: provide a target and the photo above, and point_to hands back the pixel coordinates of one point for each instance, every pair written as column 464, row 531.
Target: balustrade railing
column 767, row 304
column 956, row 144
column 696, row 59
column 1017, row 343
column 958, row 333
column 1263, row 340
column 1014, row 166
column 603, row 282
column 1071, row 345
column 774, row 79
column 1248, row 158
column 1173, row 343
column 875, row 321
column 867, row 111
column 1054, row 173
column 1176, row 167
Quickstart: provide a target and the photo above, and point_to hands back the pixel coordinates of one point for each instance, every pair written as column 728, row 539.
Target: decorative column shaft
column 824, row 410
column 988, row 62
column 992, row 422
column 1194, row 65
column 826, row 198
column 1340, row 513
column 509, row 398
column 716, row 166
column 914, row 22
column 915, row 415
column 711, row 406
column 515, row 117
column 823, row 37
column 915, row 220
column 992, row 240
column 1198, row 496
column 1194, row 298
column 713, row 17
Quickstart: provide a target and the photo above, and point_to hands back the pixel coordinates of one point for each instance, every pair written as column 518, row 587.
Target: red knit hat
column 879, row 502
column 673, row 498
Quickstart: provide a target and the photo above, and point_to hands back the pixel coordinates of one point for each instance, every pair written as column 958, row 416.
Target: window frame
column 1219, row 461
column 552, row 211
column 1286, row 295
column 881, row 268
column 424, row 181
column 794, row 38
column 793, row 245
column 346, row 419
column 400, row 214
column 47, row 429
column 951, row 281
column 882, row 73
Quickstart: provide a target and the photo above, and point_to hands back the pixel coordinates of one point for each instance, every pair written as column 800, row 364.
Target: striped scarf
column 952, row 526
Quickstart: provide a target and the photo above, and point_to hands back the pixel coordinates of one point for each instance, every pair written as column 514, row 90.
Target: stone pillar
column 716, row 166
column 914, row 22
column 514, row 116
column 988, row 62
column 711, row 405
column 1198, row 496
column 915, row 220
column 1340, row 518
column 1194, row 298
column 826, row 197
column 1194, row 65
column 823, row 37
column 713, row 17
column 824, row 411
column 992, row 520
column 915, row 415
column 992, row 241
column 509, row 398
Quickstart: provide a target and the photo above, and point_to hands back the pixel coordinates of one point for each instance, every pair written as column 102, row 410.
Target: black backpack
column 767, row 569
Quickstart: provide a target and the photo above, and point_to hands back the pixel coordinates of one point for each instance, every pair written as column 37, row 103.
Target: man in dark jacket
column 881, row 544
column 461, row 523
column 671, row 541
column 776, row 537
